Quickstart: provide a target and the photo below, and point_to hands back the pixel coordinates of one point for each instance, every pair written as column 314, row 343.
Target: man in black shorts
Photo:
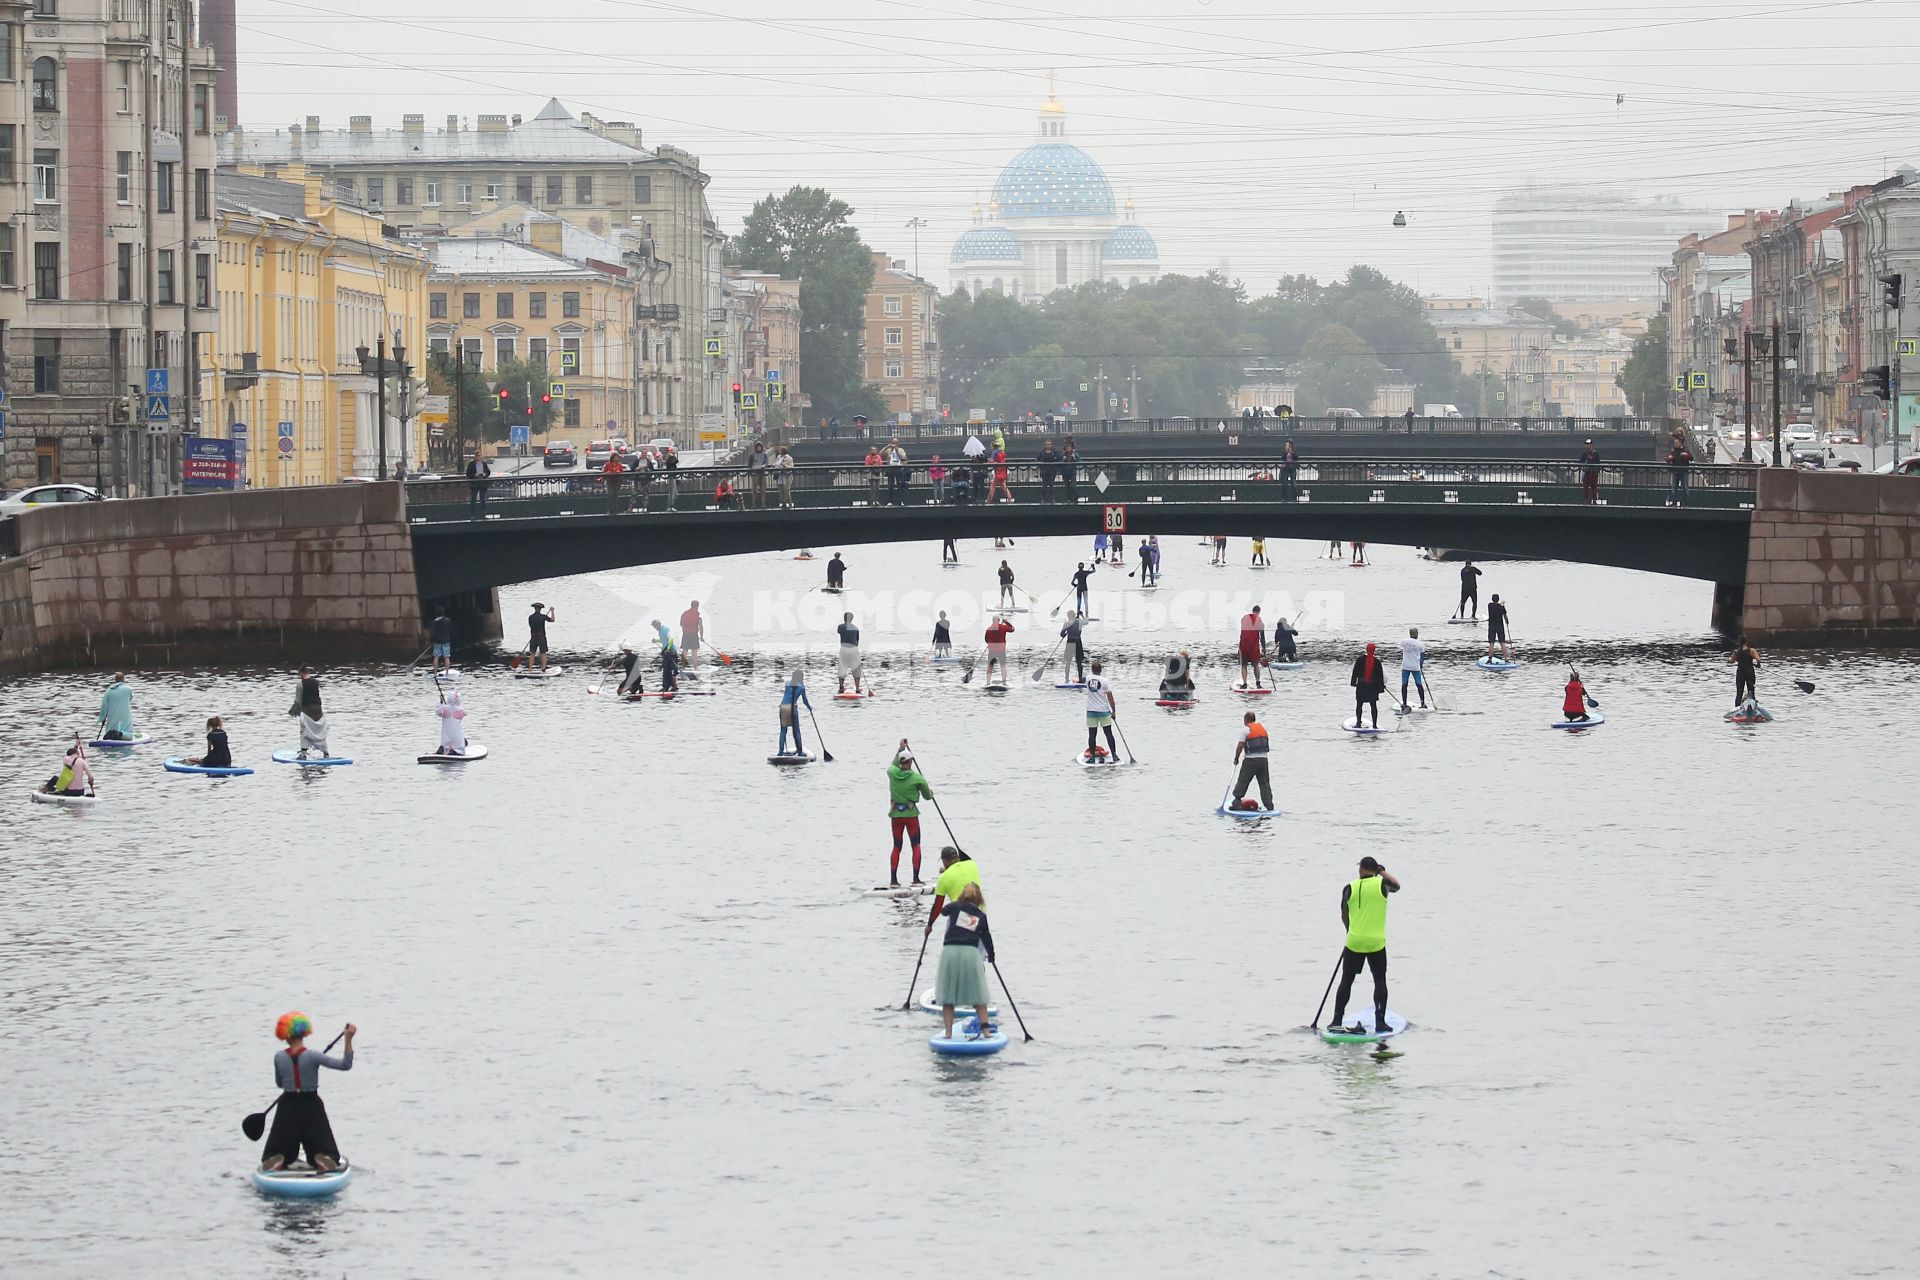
column 1497, row 629
column 537, row 635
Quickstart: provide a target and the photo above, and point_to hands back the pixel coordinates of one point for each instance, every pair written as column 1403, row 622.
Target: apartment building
column 900, row 349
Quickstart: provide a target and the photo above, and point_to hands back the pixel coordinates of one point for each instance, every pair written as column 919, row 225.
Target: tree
column 525, row 382
column 1541, row 309
column 1337, row 370
column 1644, row 376
column 805, row 235
column 475, row 411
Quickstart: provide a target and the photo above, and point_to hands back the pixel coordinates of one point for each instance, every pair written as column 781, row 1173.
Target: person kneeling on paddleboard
column 906, row 787
column 300, row 1118
column 1363, row 910
column 1574, row 706
column 1253, row 767
column 630, row 682
column 453, row 727
column 790, row 699
column 961, row 978
column 1369, row 682
column 1177, row 684
column 75, row 777
column 1283, row 647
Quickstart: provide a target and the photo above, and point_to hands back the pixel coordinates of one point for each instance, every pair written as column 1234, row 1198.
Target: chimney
column 313, row 124
column 360, row 126
column 295, row 137
column 413, row 126
column 453, row 124
column 516, row 119
column 492, row 124
column 216, row 19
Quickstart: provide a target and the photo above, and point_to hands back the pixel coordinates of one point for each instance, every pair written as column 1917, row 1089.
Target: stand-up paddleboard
column 1070, row 684
column 1099, row 760
column 1405, row 709
column 900, row 890
column 1748, row 712
column 303, row 1182
column 1463, row 622
column 950, row 564
column 1285, row 666
column 670, row 694
column 803, row 556
column 317, row 762
column 1149, row 586
column 929, row 1005
column 1259, row 568
column 946, row 660
column 853, row 697
column 1367, row 731
column 1250, row 689
column 833, row 591
column 1495, row 664
column 181, row 766
column 1175, row 704
column 139, row 740
column 61, row 797
column 474, row 752
column 1012, row 609
column 1228, row 810
column 963, row 1044
column 1593, row 718
column 789, row 757
column 536, row 674
column 448, row 674
column 1359, row 564
column 995, row 688
column 1359, row 1028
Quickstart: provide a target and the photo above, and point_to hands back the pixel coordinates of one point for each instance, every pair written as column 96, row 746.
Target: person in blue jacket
column 790, row 700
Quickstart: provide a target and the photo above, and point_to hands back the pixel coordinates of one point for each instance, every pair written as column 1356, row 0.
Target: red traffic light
column 736, row 388
column 546, row 398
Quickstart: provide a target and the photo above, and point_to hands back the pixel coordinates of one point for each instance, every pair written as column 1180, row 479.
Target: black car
column 557, row 454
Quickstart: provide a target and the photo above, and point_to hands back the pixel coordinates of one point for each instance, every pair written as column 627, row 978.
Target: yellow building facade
column 302, row 283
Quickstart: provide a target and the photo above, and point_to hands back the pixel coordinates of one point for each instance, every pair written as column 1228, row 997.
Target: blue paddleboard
column 181, row 766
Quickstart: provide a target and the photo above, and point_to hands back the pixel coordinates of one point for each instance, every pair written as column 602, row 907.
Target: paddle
column 416, row 662
column 1315, row 1024
column 256, row 1124
column 1804, row 686
column 1042, row 668
column 972, row 664
column 1591, row 700
column 1124, row 743
column 595, row 688
column 915, row 980
column 825, row 754
column 1010, row 1004
column 1227, row 793
column 1063, row 603
column 908, row 748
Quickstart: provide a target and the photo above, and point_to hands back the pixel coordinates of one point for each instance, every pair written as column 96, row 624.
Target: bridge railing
column 1234, row 423
column 1111, row 480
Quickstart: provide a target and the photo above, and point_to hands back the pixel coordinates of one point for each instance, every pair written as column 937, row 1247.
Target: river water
column 624, row 1008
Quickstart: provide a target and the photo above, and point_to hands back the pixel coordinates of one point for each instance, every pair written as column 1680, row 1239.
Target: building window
column 123, row 271
column 503, row 306
column 163, row 186
column 571, row 347
column 123, row 177
column 1060, row 264
column 433, row 191
column 44, row 97
column 999, row 285
column 46, row 9
column 46, row 174
column 502, row 351
column 343, row 190
column 537, row 351
column 1456, row 344
column 436, row 306
column 470, row 352
column 123, row 87
column 6, row 255
column 202, row 280
column 523, row 188
column 554, row 185
column 583, row 190
column 572, row 414
column 376, row 192
column 642, row 189
column 201, row 124
column 890, row 305
column 46, row 269
column 892, row 336
column 438, row 345
column 46, row 366
column 403, row 192
column 465, row 192
column 570, row 305
column 163, row 276
column 7, row 171
column 6, row 51
column 203, row 194
column 537, row 306
column 895, row 369
column 470, row 306
column 493, row 191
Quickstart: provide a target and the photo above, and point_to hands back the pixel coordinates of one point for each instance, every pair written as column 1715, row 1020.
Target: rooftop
column 554, row 136
column 460, row 257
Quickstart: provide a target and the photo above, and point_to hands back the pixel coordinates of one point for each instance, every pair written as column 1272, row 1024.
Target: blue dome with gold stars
column 1053, row 180
column 986, row 244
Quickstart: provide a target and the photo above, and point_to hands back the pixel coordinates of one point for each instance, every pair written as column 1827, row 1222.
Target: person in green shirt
column 957, row 871
column 906, row 787
column 1363, row 910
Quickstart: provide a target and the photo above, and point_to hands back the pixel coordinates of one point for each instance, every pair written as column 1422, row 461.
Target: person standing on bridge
column 670, row 460
column 757, row 465
column 1049, row 469
column 1744, row 659
column 1680, row 461
column 1413, row 665
column 1369, row 682
column 1469, row 592
column 1497, row 629
column 783, row 475
column 999, row 482
column 692, row 632
column 1081, row 577
column 836, row 573
column 479, row 477
column 537, row 634
column 1289, row 473
column 850, row 664
column 1070, row 467
column 937, row 476
column 1590, row 474
column 613, row 475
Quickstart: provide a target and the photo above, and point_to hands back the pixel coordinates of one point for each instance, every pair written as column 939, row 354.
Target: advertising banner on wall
column 210, row 464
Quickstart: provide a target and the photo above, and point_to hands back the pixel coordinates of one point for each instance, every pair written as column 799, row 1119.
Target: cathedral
column 1052, row 224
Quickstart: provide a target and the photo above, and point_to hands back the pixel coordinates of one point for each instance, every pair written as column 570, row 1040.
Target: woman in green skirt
column 962, row 976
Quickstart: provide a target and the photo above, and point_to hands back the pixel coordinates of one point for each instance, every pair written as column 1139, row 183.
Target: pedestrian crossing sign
column 558, row 390
column 776, row 391
column 1698, row 381
column 1909, row 346
column 749, row 400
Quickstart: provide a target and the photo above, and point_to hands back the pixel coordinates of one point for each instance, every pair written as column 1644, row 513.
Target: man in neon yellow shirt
column 1363, row 909
column 957, row 871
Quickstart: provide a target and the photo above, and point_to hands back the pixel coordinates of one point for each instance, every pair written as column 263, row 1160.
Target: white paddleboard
column 1070, row 684
column 474, row 752
column 1359, row 1028
column 1354, row 726
column 61, row 797
column 1102, row 761
column 1593, row 718
column 1285, row 666
column 315, row 762
column 900, row 890
column 550, row 672
column 789, row 758
column 927, row 1005
column 1249, row 689
column 1227, row 810
column 1495, row 664
column 947, row 660
column 1463, row 622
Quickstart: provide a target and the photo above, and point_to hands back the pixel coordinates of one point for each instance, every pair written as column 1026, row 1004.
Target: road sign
column 519, row 435
column 286, row 448
column 286, row 431
column 749, row 400
column 1039, row 384
column 773, row 375
column 157, row 382
column 716, row 347
column 435, row 419
column 159, row 407
column 1698, row 381
column 1114, row 518
column 1084, row 387
column 558, row 390
column 776, row 391
column 1909, row 346
column 569, row 359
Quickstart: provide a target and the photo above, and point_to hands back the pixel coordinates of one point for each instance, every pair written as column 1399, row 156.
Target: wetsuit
column 949, row 554
column 1496, row 623
column 1743, row 673
column 1076, row 649
column 836, row 572
column 1363, row 909
column 536, row 633
column 1469, row 591
column 1006, row 585
column 1080, row 590
column 1283, row 648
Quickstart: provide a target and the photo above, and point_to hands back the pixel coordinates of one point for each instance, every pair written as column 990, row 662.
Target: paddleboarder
column 1076, row 646
column 1413, row 665
column 669, row 658
column 453, row 727
column 1219, row 548
column 1469, row 592
column 75, row 777
column 1363, row 910
column 116, row 711
column 537, row 634
column 1006, row 586
column 1359, row 553
column 836, row 573
column 1177, row 684
column 957, row 871
column 1574, row 705
column 630, row 680
column 949, row 554
column 1283, row 646
column 906, row 787
column 313, row 720
column 300, row 1118
column 1260, row 552
column 1080, row 577
column 218, row 755
column 1497, row 628
column 442, row 634
column 1250, row 753
column 997, row 632
column 1744, row 657
column 791, row 699
column 942, row 637
column 1253, row 629
column 1102, row 710
column 692, row 631
column 961, row 978
column 1369, row 682
column 849, row 653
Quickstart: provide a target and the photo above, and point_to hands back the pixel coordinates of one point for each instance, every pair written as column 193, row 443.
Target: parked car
column 15, row 501
column 558, row 453
column 598, row 451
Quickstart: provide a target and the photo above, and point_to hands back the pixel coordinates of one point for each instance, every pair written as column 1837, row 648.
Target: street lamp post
column 1776, row 345
column 378, row 367
column 1757, row 345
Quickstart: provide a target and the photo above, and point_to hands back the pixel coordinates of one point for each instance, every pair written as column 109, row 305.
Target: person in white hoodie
column 453, row 728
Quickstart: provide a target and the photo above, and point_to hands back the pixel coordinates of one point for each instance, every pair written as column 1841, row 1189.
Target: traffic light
column 1878, row 381
column 736, row 394
column 1890, row 287
column 546, row 397
column 501, row 403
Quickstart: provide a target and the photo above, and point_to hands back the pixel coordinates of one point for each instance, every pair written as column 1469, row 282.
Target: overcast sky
column 1266, row 142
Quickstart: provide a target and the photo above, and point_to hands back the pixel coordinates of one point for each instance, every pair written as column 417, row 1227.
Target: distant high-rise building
column 1582, row 244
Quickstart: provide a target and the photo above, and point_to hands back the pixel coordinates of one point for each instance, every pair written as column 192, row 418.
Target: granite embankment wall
column 1833, row 559
column 289, row 575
